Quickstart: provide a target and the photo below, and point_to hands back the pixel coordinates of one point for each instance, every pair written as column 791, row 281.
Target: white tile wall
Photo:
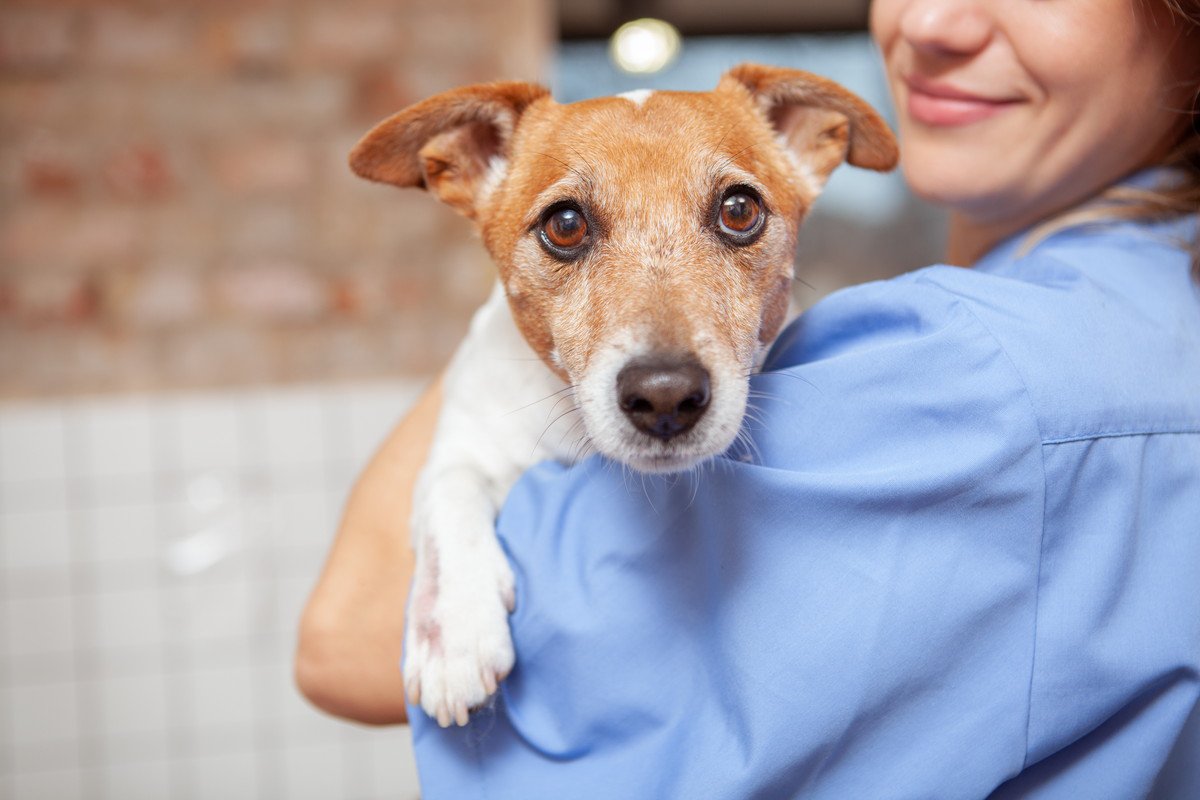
column 155, row 554
column 40, row 625
column 33, row 447
column 37, row 538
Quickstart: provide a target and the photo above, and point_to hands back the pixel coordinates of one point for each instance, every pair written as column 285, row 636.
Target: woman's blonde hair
column 1180, row 197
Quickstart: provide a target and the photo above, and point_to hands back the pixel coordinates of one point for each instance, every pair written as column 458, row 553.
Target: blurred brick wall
column 175, row 206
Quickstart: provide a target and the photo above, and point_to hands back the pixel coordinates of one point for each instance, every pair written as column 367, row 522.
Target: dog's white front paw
column 457, row 646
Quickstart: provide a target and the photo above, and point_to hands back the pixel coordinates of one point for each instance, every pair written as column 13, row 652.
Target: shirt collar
column 1182, row 227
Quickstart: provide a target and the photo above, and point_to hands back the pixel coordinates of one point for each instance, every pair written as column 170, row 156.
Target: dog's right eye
column 564, row 230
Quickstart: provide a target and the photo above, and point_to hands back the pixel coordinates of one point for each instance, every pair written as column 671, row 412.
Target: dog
column 644, row 245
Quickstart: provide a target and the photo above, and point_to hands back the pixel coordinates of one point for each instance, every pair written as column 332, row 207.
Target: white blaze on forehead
column 637, row 96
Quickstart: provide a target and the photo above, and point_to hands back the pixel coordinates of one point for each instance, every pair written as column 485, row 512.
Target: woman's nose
column 949, row 27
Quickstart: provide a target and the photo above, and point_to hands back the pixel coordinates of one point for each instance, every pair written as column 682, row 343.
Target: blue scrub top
column 960, row 558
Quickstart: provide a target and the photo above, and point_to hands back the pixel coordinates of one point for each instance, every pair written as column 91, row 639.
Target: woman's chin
column 957, row 184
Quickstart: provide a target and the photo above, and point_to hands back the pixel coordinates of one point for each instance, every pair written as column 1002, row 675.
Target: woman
column 962, row 560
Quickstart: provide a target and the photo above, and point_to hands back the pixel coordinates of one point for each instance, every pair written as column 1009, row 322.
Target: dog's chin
column 664, row 464
column 650, row 455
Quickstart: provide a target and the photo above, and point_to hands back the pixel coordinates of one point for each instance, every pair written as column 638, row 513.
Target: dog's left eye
column 564, row 230
column 740, row 215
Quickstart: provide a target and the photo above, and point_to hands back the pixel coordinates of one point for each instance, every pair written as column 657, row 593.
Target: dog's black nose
column 663, row 397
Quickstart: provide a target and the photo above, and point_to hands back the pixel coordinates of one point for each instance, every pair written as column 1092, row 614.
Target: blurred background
column 207, row 324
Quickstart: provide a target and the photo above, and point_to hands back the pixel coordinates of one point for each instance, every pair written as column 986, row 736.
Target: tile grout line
column 166, row 436
column 89, row 748
column 8, row 778
column 335, row 427
column 255, row 482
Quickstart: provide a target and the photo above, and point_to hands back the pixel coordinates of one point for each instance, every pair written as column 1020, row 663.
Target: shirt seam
column 1037, row 424
column 1110, row 230
column 1085, row 437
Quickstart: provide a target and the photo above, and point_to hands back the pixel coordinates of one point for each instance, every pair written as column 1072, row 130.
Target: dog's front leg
column 457, row 644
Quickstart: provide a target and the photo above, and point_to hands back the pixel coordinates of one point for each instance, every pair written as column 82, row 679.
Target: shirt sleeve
column 842, row 606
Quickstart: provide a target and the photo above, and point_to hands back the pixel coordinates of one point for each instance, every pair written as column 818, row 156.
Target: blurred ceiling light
column 644, row 45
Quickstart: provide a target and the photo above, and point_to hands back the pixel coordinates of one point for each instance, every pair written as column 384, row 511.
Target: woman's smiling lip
column 945, row 105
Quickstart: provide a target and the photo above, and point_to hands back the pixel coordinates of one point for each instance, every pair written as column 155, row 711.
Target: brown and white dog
column 644, row 244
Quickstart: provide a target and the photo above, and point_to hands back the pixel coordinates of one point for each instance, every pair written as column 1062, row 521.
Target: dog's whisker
column 771, row 397
column 725, row 135
column 803, row 282
column 747, row 442
column 544, row 399
column 581, row 448
column 554, row 408
column 756, row 414
column 569, row 432
column 579, row 155
column 625, row 473
column 585, row 178
column 646, row 492
column 793, row 376
column 552, row 158
column 695, row 474
column 569, row 167
column 546, row 430
column 738, row 154
column 756, row 417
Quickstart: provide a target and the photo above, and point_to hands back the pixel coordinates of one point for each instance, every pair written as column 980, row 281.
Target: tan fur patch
column 649, row 178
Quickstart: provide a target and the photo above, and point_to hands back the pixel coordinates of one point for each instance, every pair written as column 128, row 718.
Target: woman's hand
column 348, row 654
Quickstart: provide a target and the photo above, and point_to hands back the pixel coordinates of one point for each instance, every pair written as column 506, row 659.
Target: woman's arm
column 348, row 654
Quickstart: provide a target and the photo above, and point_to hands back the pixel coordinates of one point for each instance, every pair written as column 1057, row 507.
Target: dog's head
column 645, row 241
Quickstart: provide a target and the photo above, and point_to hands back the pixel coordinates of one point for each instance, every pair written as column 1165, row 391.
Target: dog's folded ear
column 449, row 143
column 821, row 122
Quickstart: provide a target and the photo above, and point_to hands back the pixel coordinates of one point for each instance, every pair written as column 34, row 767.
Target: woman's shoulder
column 1102, row 323
column 1100, row 327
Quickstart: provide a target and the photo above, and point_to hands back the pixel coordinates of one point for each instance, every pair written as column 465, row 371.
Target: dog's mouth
column 710, row 438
